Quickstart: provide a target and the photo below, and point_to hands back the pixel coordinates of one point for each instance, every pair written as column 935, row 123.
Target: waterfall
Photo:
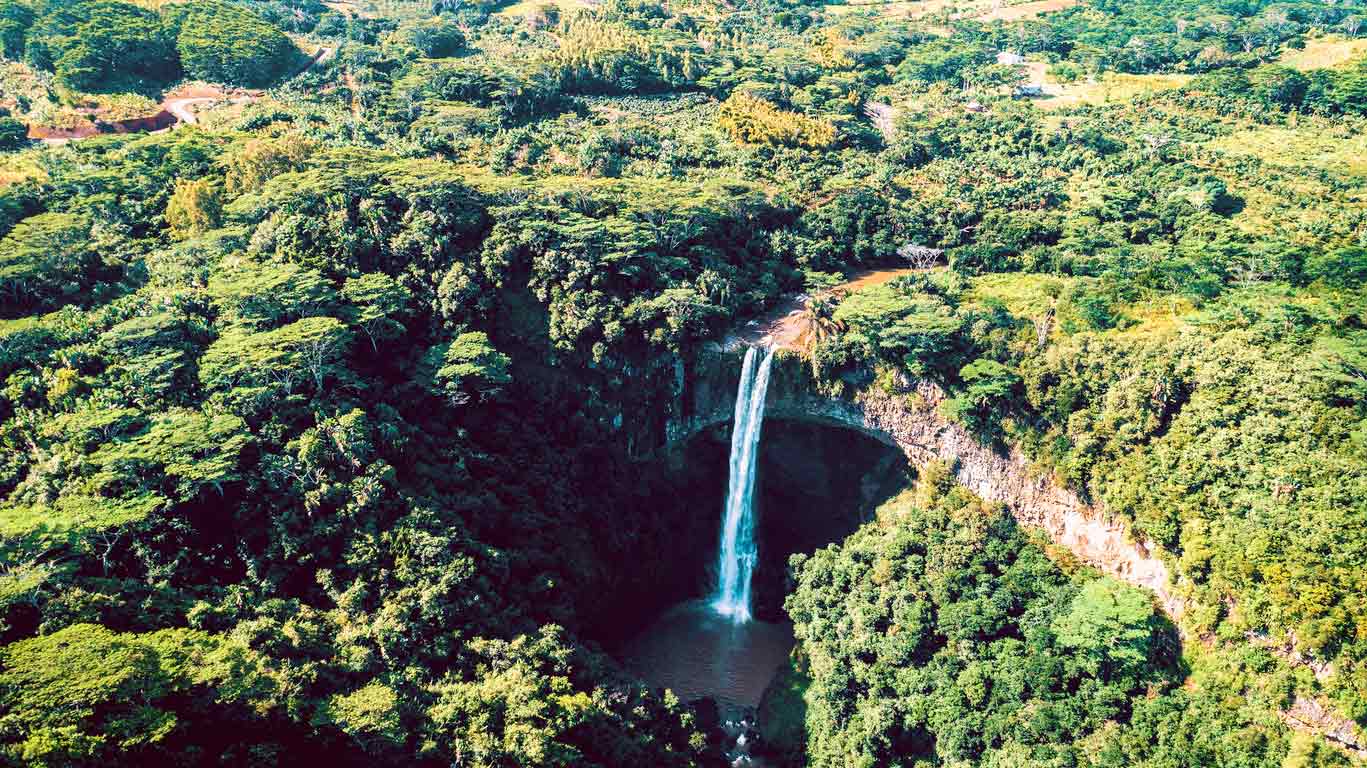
column 737, row 554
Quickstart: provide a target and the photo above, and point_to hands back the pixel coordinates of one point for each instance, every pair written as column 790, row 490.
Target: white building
column 1010, row 59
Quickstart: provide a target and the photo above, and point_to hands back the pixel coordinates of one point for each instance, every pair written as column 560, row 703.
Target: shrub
column 13, row 134
column 434, row 38
column 752, row 120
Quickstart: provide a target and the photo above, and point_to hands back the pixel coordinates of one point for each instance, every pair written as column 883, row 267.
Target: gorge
column 824, row 465
column 872, row 437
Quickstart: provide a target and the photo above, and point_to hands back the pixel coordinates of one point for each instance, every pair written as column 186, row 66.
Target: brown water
column 698, row 653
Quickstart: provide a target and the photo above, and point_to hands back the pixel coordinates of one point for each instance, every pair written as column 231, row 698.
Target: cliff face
column 914, row 422
column 907, row 416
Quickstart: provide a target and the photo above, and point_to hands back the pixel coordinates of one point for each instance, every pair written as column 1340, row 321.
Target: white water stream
column 737, row 554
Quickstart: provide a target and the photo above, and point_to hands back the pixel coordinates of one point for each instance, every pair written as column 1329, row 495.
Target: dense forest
column 329, row 419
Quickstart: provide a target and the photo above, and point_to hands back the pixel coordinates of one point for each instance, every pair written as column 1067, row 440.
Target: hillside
column 336, row 421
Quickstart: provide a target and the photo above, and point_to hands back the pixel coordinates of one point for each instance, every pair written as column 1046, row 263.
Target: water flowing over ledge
column 737, row 554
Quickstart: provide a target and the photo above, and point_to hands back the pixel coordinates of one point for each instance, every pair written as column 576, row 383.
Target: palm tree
column 817, row 321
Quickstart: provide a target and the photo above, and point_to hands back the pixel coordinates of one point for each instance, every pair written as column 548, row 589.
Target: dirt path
column 180, row 108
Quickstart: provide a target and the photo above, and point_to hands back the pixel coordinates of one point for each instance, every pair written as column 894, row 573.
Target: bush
column 13, row 134
column 1065, row 72
column 753, row 120
column 435, row 38
column 1343, row 268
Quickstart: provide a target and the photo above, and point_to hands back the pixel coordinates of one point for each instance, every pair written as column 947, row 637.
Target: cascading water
column 737, row 555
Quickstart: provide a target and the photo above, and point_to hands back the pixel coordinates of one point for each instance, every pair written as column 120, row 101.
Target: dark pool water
column 697, row 653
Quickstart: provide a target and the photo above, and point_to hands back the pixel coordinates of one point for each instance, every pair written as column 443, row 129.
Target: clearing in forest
column 1325, row 53
column 982, row 10
column 1337, row 148
column 1019, row 11
column 1111, row 88
column 784, row 326
column 524, row 7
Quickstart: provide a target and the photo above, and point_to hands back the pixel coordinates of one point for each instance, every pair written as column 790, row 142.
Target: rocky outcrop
column 1313, row 716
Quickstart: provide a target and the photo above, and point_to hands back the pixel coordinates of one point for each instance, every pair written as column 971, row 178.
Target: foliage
column 47, row 260
column 435, row 38
column 110, row 46
column 87, row 695
column 326, row 425
column 104, row 45
column 753, row 120
column 195, row 207
column 469, row 362
column 226, row 43
column 941, row 632
column 13, row 134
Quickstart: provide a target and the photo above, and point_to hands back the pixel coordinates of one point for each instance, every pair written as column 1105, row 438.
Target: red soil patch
column 1026, row 10
column 95, row 126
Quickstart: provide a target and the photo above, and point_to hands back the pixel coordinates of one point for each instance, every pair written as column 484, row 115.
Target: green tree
column 46, row 260
column 264, row 364
column 467, row 365
column 15, row 20
column 264, row 295
column 987, row 385
column 115, row 46
column 1110, row 626
column 434, row 38
column 379, row 303
column 13, row 134
column 195, row 207
column 520, row 713
column 370, row 714
column 226, row 43
column 86, row 695
column 1340, row 268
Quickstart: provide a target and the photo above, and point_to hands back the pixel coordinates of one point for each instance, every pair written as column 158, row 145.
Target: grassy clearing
column 16, row 167
column 524, row 7
column 982, row 10
column 1110, row 89
column 1267, row 214
column 902, row 8
column 32, row 97
column 915, row 9
column 1028, row 10
column 1033, row 296
column 348, row 8
column 1325, row 53
column 1025, row 295
column 1339, row 148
